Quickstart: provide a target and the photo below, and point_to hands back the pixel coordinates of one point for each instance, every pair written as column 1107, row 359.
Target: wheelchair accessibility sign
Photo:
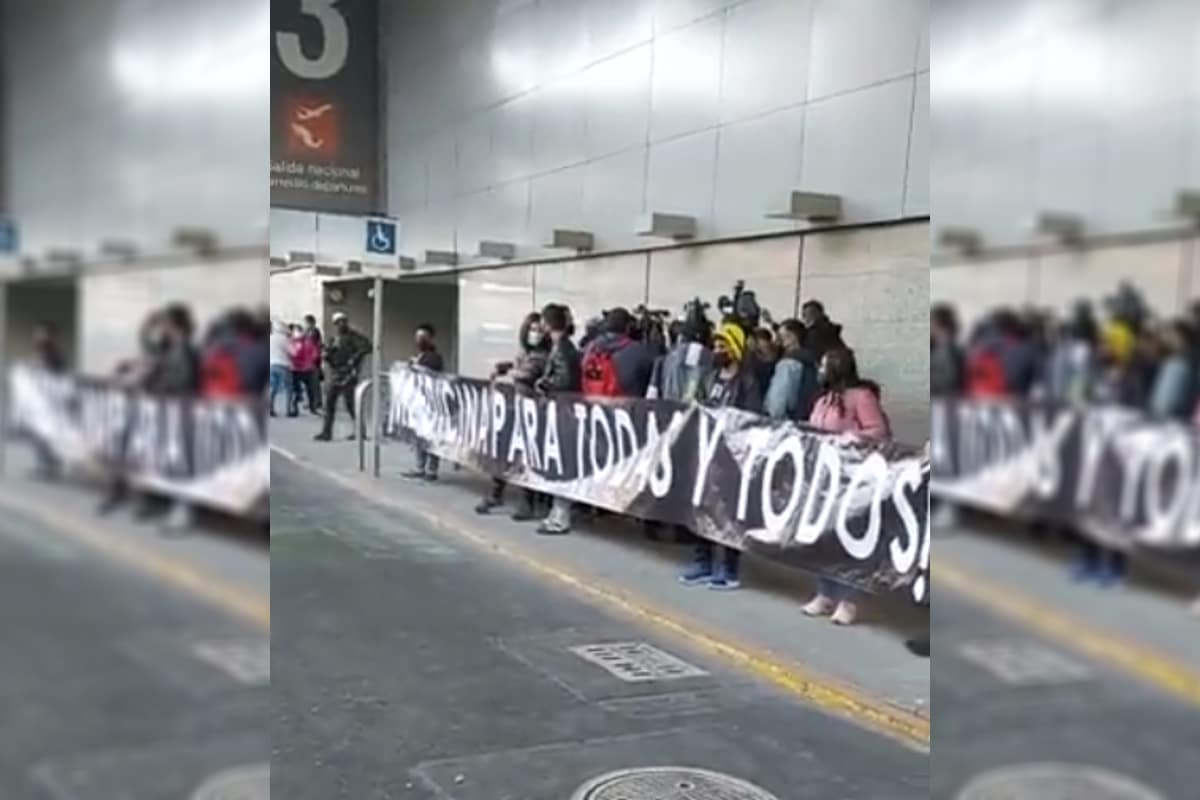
column 381, row 237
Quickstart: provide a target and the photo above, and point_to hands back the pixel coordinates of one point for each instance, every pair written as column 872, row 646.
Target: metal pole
column 377, row 372
column 3, row 376
column 360, row 405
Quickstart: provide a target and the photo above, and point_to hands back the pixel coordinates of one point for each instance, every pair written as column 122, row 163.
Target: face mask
column 722, row 359
column 533, row 338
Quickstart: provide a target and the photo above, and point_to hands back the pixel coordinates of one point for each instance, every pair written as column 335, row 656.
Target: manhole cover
column 637, row 661
column 1055, row 782
column 241, row 783
column 670, row 783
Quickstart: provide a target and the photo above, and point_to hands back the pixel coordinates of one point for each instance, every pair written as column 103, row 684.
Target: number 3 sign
column 335, row 43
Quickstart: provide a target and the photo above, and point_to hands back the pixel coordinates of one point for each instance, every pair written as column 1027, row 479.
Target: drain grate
column 247, row 661
column 1024, row 663
column 241, row 783
column 1055, row 782
column 637, row 662
column 670, row 783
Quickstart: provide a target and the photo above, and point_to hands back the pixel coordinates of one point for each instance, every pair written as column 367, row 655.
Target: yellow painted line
column 246, row 605
column 1134, row 658
column 903, row 725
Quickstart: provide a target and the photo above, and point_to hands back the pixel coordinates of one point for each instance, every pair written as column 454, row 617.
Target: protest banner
column 209, row 452
column 835, row 505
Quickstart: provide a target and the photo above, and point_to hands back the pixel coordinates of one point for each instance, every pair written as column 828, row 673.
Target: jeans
column 705, row 554
column 427, row 462
column 833, row 590
column 332, row 394
column 304, row 385
column 559, row 517
column 281, row 378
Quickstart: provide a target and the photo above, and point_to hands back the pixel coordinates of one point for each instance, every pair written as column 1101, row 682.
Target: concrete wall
column 1166, row 272
column 112, row 305
column 127, row 119
column 1091, row 107
column 584, row 113
column 874, row 281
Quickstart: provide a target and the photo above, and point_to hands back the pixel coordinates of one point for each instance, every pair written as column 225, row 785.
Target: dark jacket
column 563, row 374
column 947, row 369
column 430, row 359
column 822, row 337
column 743, row 392
column 176, row 371
column 633, row 360
column 794, row 386
column 344, row 354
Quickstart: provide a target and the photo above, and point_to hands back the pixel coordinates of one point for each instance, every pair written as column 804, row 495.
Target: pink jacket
column 861, row 413
column 304, row 354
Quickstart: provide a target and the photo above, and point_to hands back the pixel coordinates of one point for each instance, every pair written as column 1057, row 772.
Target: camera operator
column 523, row 372
column 732, row 383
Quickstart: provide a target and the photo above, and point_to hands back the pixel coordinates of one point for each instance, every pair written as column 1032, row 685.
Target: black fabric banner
column 833, row 505
column 1113, row 474
column 325, row 105
column 209, row 452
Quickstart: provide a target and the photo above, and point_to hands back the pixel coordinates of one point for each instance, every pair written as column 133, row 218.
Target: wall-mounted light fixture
column 119, row 250
column 962, row 240
column 1187, row 205
column 579, row 241
column 200, row 241
column 446, row 258
column 504, row 251
column 354, row 266
column 1061, row 226
column 301, row 257
column 407, row 263
column 665, row 226
column 810, row 207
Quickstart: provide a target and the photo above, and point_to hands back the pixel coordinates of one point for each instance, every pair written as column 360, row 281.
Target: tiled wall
column 126, row 119
column 584, row 113
column 1166, row 272
column 874, row 281
column 1088, row 106
column 113, row 304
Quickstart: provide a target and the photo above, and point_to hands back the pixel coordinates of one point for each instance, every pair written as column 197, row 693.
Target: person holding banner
column 847, row 404
column 731, row 383
column 429, row 359
column 523, row 372
column 563, row 375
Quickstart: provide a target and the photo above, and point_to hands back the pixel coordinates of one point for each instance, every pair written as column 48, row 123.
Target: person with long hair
column 847, row 404
column 523, row 373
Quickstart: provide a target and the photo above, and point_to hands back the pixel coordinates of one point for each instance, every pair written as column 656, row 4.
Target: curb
column 910, row 727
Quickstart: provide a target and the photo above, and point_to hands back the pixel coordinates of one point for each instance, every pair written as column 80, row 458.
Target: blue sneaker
column 696, row 574
column 724, row 580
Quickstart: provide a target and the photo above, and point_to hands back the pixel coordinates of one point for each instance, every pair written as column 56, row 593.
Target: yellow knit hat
column 734, row 337
column 1119, row 340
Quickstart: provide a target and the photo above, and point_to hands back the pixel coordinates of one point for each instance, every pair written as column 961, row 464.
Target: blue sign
column 8, row 236
column 381, row 237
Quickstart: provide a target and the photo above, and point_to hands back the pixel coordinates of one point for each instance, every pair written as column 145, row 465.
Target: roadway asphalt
column 117, row 686
column 408, row 664
column 1006, row 698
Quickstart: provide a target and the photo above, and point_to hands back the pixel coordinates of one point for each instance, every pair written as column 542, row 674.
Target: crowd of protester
column 229, row 361
column 797, row 369
column 1118, row 354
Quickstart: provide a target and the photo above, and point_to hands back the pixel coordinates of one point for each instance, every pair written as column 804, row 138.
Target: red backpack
column 985, row 374
column 600, row 373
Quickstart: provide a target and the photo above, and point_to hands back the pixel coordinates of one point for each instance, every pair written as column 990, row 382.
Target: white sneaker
column 846, row 613
column 1195, row 608
column 819, row 606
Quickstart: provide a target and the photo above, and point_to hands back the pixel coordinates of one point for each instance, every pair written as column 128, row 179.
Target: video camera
column 650, row 325
column 742, row 307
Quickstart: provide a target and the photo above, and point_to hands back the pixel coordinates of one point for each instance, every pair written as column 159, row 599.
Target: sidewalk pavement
column 1142, row 612
column 227, row 554
column 764, row 616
